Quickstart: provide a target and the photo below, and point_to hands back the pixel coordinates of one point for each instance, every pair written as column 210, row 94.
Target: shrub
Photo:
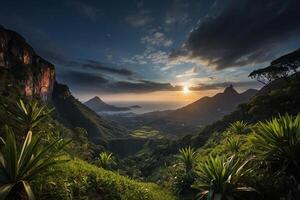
column 238, row 127
column 221, row 179
column 188, row 157
column 278, row 143
column 20, row 166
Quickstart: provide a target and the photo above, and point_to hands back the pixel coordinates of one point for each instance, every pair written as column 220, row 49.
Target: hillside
column 279, row 97
column 97, row 105
column 76, row 114
column 90, row 182
column 24, row 73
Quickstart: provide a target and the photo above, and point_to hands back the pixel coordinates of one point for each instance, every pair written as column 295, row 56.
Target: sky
column 148, row 50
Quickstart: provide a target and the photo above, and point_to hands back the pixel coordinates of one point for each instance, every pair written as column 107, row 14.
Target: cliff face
column 32, row 73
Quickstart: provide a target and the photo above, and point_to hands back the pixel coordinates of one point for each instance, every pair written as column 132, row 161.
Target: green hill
column 76, row 114
column 77, row 179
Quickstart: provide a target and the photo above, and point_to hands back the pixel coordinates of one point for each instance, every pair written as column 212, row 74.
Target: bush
column 80, row 180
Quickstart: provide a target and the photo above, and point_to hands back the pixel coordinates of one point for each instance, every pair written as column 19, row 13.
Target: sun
column 185, row 89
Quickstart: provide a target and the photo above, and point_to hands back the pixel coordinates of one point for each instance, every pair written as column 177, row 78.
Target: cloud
column 191, row 72
column 177, row 13
column 154, row 57
column 156, row 38
column 84, row 9
column 239, row 33
column 60, row 59
column 142, row 86
column 79, row 78
column 222, row 85
column 139, row 19
column 83, row 82
column 91, row 64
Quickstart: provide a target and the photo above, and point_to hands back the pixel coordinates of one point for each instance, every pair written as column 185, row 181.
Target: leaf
column 4, row 190
column 28, row 190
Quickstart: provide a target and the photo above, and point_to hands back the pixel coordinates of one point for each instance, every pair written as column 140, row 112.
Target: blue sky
column 138, row 46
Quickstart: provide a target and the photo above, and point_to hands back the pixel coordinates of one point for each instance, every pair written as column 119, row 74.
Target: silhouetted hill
column 209, row 109
column 97, row 105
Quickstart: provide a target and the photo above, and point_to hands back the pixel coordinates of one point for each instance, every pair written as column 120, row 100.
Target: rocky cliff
column 33, row 75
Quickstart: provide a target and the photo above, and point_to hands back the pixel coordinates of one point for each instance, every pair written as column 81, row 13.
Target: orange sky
column 161, row 96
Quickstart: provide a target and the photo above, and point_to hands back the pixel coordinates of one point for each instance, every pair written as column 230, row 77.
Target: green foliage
column 222, row 179
column 106, row 160
column 79, row 180
column 19, row 166
column 188, row 157
column 234, row 144
column 238, row 127
column 26, row 117
column 278, row 143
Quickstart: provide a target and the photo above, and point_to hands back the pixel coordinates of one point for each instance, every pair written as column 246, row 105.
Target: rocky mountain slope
column 23, row 67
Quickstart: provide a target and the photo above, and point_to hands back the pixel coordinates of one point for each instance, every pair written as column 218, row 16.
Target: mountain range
column 190, row 117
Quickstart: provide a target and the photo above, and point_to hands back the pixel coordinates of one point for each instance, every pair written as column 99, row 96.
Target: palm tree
column 188, row 157
column 220, row 179
column 238, row 127
column 234, row 144
column 19, row 166
column 278, row 143
column 106, row 160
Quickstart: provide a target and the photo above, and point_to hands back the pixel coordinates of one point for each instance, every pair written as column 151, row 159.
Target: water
column 146, row 106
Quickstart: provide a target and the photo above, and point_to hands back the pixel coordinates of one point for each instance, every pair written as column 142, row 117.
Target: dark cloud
column 60, row 59
column 82, row 79
column 91, row 64
column 83, row 82
column 221, row 85
column 237, row 33
column 142, row 86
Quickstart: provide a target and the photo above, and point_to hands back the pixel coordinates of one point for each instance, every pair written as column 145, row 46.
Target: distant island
column 98, row 105
column 136, row 106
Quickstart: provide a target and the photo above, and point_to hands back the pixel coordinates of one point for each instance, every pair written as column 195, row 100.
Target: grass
column 147, row 132
column 79, row 180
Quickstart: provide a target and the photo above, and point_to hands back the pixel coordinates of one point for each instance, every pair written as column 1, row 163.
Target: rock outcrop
column 33, row 74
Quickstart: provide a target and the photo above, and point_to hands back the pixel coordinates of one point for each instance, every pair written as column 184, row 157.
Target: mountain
column 190, row 118
column 280, row 97
column 97, row 105
column 24, row 73
column 209, row 109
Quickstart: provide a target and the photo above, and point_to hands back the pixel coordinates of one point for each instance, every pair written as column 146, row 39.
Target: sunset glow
column 185, row 89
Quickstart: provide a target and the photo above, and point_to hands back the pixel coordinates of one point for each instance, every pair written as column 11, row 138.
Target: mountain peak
column 230, row 90
column 96, row 98
column 98, row 105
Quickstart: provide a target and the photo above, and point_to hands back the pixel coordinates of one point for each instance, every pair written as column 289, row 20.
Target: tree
column 19, row 166
column 269, row 74
column 188, row 157
column 291, row 61
column 221, row 179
